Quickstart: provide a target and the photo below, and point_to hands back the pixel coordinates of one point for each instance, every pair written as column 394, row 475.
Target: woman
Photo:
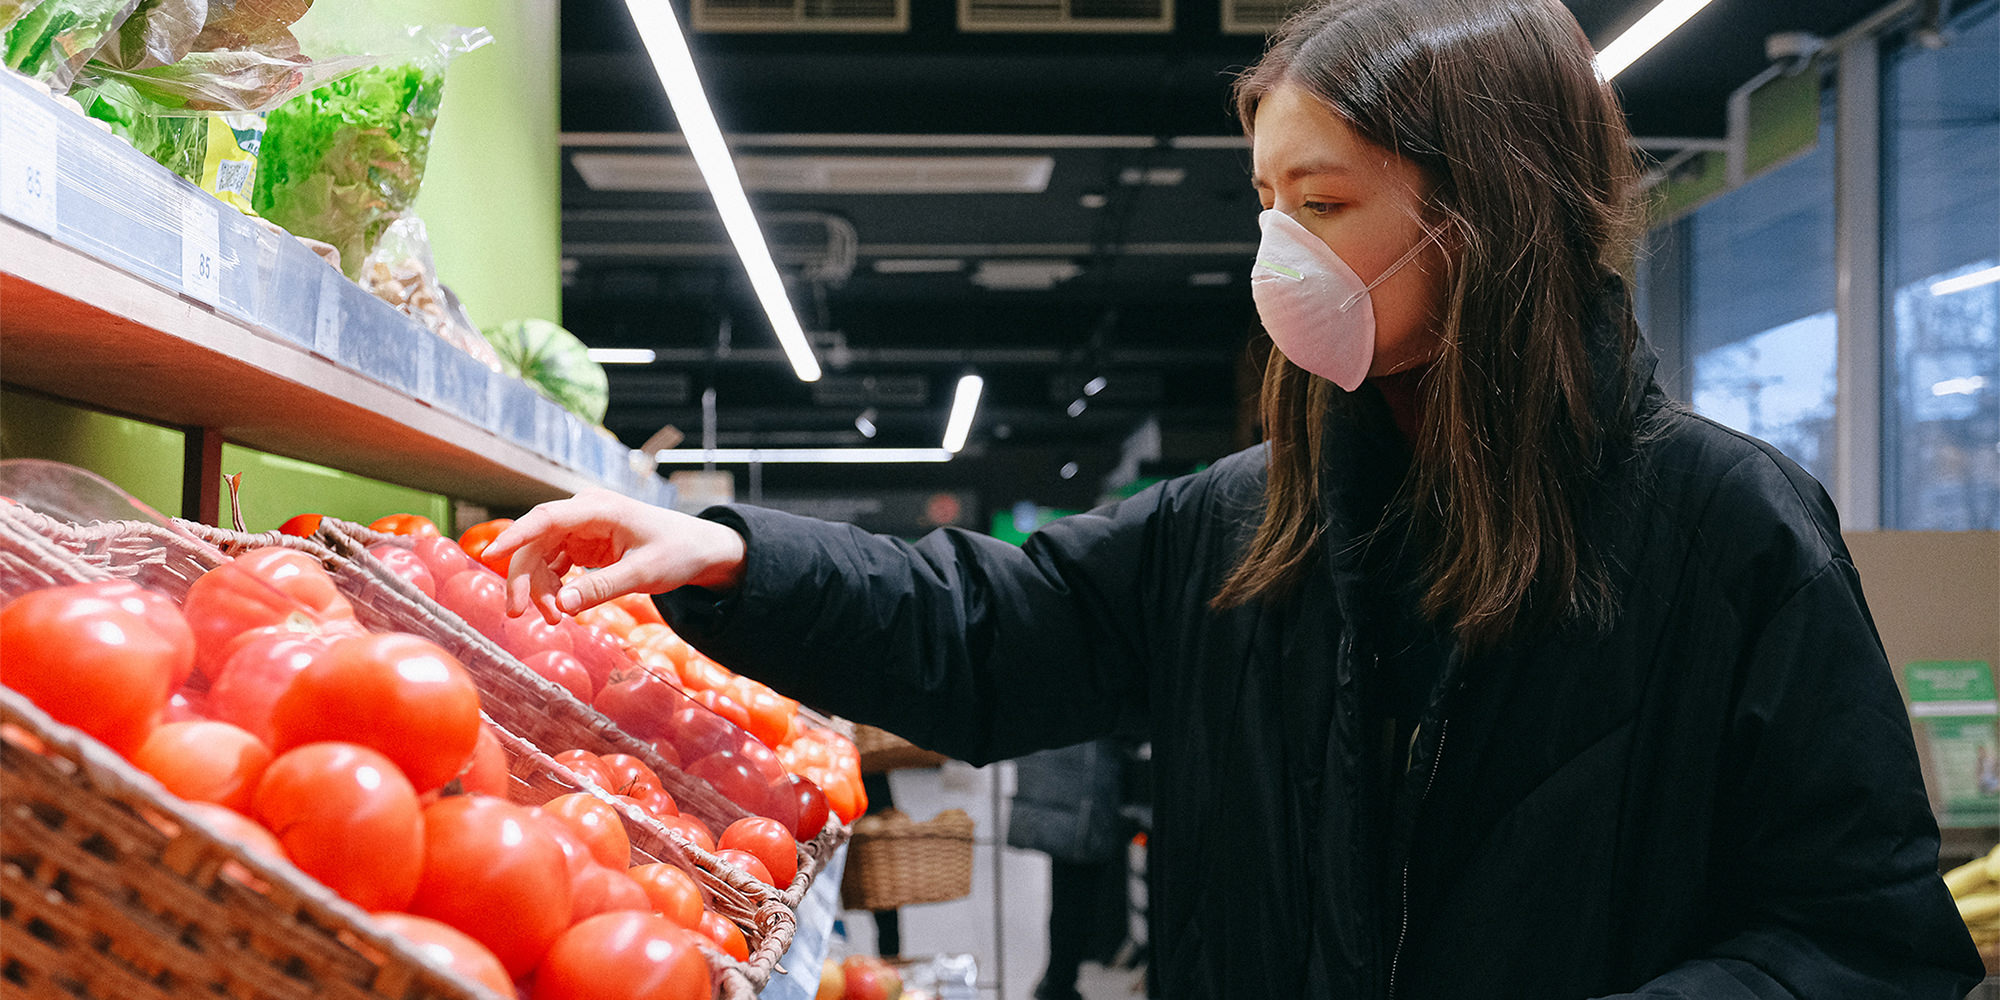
column 1492, row 673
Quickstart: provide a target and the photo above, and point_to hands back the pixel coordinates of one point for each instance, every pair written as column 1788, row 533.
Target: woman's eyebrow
column 1305, row 170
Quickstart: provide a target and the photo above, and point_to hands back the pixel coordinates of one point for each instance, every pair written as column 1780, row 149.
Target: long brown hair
column 1533, row 179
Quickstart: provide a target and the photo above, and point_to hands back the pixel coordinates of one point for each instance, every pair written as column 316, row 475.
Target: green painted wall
column 274, row 488
column 492, row 195
column 143, row 459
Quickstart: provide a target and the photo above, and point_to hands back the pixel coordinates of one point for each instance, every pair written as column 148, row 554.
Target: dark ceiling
column 1121, row 249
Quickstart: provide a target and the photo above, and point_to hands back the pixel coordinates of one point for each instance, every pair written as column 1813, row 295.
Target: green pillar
column 492, row 192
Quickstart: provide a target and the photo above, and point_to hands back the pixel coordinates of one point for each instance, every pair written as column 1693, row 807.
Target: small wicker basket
column 893, row 862
column 882, row 750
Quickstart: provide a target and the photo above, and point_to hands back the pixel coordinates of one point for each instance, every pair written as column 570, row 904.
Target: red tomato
column 726, row 936
column 102, row 657
column 871, row 978
column 596, row 889
column 596, row 823
column 186, row 706
column 746, row 862
column 809, row 817
column 563, row 670
column 478, row 597
column 238, row 829
column 768, row 841
column 770, row 715
column 405, row 564
column 205, row 761
column 442, row 557
column 487, row 774
column 724, row 706
column 475, row 539
column 492, row 871
column 300, row 525
column 600, row 654
column 764, row 759
column 658, row 803
column 671, row 891
column 843, row 794
column 259, row 668
column 641, row 703
column 450, row 948
column 736, row 778
column 629, row 774
column 704, row 674
column 347, row 817
column 697, row 732
column 641, row 608
column 261, row 587
column 624, row 956
column 398, row 693
column 609, row 617
column 690, row 829
column 529, row 634
column 406, row 524
column 586, row 764
column 667, row 751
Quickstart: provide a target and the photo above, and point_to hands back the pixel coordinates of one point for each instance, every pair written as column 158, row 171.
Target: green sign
column 1954, row 707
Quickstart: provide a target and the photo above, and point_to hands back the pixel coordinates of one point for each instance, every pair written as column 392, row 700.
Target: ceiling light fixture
column 774, row 456
column 1640, row 38
column 621, row 355
column 1964, row 282
column 1095, row 386
column 661, row 33
column 1077, row 406
column 963, row 405
column 865, row 423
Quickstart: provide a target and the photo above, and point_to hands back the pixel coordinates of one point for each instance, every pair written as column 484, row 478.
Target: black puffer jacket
column 1716, row 798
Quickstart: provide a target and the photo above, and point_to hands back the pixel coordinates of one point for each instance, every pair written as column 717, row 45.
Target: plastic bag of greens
column 217, row 151
column 217, row 55
column 551, row 359
column 344, row 160
column 50, row 39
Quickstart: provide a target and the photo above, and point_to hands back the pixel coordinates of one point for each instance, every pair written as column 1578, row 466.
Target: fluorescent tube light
column 1965, row 281
column 1959, row 386
column 963, row 406
column 1642, row 36
column 622, row 355
column 661, row 33
column 772, row 456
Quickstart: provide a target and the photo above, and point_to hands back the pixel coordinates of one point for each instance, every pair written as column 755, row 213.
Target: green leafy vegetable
column 50, row 39
column 551, row 359
column 178, row 143
column 341, row 162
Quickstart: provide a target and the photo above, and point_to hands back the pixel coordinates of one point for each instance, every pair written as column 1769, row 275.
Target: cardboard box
column 1935, row 596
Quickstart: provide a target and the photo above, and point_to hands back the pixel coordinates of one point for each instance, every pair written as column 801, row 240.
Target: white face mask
column 1314, row 306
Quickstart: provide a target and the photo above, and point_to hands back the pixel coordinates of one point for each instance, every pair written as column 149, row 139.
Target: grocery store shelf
column 124, row 288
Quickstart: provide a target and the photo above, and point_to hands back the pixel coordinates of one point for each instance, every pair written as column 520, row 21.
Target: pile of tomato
column 362, row 759
column 738, row 735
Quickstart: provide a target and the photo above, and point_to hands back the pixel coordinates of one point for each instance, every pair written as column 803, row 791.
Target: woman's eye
column 1319, row 208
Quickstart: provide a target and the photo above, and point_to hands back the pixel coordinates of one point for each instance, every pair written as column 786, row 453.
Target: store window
column 1941, row 282
column 1760, row 329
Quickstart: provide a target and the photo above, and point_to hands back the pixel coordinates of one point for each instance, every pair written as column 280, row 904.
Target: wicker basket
column 893, row 862
column 110, row 891
column 882, row 750
column 36, row 552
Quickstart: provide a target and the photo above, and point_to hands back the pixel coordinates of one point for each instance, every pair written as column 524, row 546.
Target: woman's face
column 1365, row 202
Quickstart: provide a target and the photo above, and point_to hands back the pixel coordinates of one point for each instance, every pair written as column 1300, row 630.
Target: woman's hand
column 630, row 547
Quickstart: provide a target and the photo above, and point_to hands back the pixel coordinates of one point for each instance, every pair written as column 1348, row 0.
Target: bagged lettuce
column 51, row 39
column 551, row 359
column 341, row 162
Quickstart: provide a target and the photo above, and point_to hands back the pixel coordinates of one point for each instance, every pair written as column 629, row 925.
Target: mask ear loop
column 1430, row 233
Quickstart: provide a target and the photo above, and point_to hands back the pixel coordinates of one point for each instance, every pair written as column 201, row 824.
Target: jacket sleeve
column 959, row 642
column 1825, row 853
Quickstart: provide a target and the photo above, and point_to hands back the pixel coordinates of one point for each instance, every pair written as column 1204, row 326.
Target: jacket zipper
column 1403, row 931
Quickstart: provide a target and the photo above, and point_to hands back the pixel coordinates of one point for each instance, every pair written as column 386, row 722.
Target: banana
column 1979, row 906
column 1993, row 863
column 1969, row 878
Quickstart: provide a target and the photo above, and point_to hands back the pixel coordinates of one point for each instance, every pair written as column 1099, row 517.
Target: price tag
column 201, row 258
column 27, row 161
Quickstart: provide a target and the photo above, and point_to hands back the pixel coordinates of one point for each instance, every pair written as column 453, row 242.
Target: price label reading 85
column 201, row 267
column 27, row 161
